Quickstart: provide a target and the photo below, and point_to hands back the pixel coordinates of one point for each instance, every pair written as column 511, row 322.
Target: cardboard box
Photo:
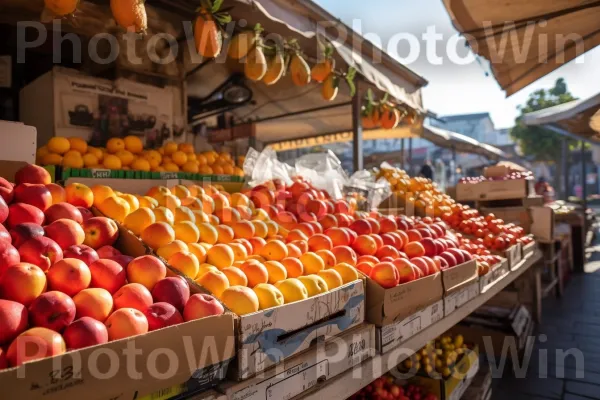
column 19, row 142
column 386, row 306
column 8, row 169
column 537, row 220
column 268, row 337
column 301, row 373
column 454, row 387
column 494, row 190
column 460, row 276
column 514, row 256
column 394, row 334
column 497, row 273
column 131, row 186
column 460, row 297
column 481, row 386
column 527, row 250
column 132, row 367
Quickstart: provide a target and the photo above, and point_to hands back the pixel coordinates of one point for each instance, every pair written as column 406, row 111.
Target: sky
column 454, row 89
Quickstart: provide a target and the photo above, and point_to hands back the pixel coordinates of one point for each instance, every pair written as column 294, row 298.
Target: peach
column 100, row 232
column 95, row 303
column 414, row 249
column 344, row 254
column 204, row 268
column 107, row 252
column 79, row 195
column 296, row 234
column 276, row 271
column 450, row 259
column 172, row 248
column 161, row 314
column 274, row 250
column 387, row 251
column 257, row 244
column 116, row 208
column 365, row 245
column 240, row 299
column 186, row 231
column 292, row 289
column 133, row 202
column 199, row 251
column 319, row 241
column 163, row 214
column 32, row 174
column 385, row 274
column 69, row 276
column 243, row 229
column 158, row 234
column 85, row 332
column 8, row 256
column 139, row 220
column 260, row 228
column 186, row 263
column 20, row 213
column 338, row 236
column 81, row 252
column 65, row 233
column 215, row 282
column 13, row 320
column 387, row 225
column 36, row 195
column 101, row 193
column 361, row 227
column 53, row 310
column 293, row 267
column 328, row 221
column 208, row 233
column 126, row 322
column 268, row 296
column 173, row 290
column 328, row 258
column 35, row 344
column 220, row 255
column 22, row 283
column 225, row 234
column 255, row 272
column 240, row 252
column 429, row 247
column 146, row 270
column 132, row 295
column 332, row 278
column 413, row 235
column 314, row 284
column 347, row 272
column 63, row 210
column 108, row 275
column 422, row 265
column 365, row 267
column 235, row 276
column 312, row 263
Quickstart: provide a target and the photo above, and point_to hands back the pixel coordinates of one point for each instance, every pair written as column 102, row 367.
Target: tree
column 537, row 142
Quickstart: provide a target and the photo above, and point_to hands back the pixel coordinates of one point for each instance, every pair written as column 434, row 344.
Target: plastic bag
column 264, row 166
column 324, row 171
column 368, row 191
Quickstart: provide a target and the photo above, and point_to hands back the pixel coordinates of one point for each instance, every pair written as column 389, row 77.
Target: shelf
column 350, row 382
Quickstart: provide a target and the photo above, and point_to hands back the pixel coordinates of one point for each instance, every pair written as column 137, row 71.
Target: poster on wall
column 97, row 110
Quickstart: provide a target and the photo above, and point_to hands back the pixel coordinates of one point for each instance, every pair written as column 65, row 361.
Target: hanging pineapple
column 208, row 28
column 322, row 70
column 275, row 67
column 61, row 8
column 130, row 14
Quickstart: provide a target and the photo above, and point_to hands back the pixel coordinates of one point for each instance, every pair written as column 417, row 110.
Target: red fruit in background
column 316, row 207
column 63, row 210
column 81, row 252
column 385, row 274
column 6, row 190
column 23, row 232
column 4, row 235
column 387, row 225
column 3, row 210
column 65, row 232
column 172, row 290
column 85, row 213
column 365, row 245
column 441, row 263
column 387, row 251
column 402, row 224
column 108, row 275
column 425, row 232
column 32, row 174
column 298, row 189
column 423, row 265
column 13, row 320
column 9, row 255
column 338, row 236
column 41, row 251
column 429, row 246
column 122, row 259
column 458, row 255
column 161, row 314
column 35, row 194
column 361, row 227
column 450, row 259
column 85, row 332
column 341, row 207
column 414, row 235
column 53, row 310
column 107, row 252
column 466, row 255
column 375, row 228
column 20, row 213
column 499, row 244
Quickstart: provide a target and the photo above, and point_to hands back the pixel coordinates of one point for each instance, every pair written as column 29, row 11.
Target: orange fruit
column 112, row 162
column 276, row 270
column 274, row 250
column 208, row 233
column 133, row 144
column 255, row 272
column 78, row 144
column 170, row 249
column 114, row 145
column 158, row 234
column 260, row 228
column 140, row 164
column 199, row 251
column 235, row 276
column 243, row 229
column 293, row 267
column 312, row 263
column 186, row 231
column 240, row 253
column 59, row 145
column 220, row 255
column 186, row 263
column 226, row 234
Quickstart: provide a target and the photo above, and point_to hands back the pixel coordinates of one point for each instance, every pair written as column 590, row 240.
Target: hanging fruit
column 367, row 111
column 330, row 87
column 255, row 67
column 130, row 14
column 208, row 28
column 390, row 117
column 376, row 117
column 275, row 68
column 299, row 70
column 61, row 8
column 243, row 42
column 323, row 69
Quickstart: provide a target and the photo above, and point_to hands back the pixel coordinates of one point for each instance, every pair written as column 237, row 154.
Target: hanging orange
column 390, row 118
column 322, row 70
column 130, row 14
column 275, row 69
column 299, row 70
column 61, row 8
column 256, row 64
column 207, row 35
column 329, row 90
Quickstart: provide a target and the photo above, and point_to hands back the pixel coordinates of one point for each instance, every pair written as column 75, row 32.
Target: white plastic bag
column 264, row 166
column 324, row 171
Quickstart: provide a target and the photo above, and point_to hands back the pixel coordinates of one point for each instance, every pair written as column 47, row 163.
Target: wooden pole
column 357, row 137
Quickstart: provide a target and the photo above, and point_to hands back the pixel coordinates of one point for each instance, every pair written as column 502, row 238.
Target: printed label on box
column 462, row 386
column 460, row 297
column 498, row 272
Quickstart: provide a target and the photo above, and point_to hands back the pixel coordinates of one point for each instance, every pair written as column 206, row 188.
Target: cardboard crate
column 497, row 273
column 460, row 297
column 527, row 250
column 303, row 372
column 514, row 256
column 460, row 276
column 268, row 337
column 537, row 220
column 393, row 335
column 387, row 306
column 203, row 349
column 494, row 190
column 19, row 142
column 453, row 387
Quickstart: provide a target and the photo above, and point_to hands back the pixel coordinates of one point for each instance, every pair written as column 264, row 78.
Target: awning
column 461, row 143
column 579, row 119
column 538, row 35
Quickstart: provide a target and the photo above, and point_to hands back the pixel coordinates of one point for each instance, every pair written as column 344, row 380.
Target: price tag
column 100, row 173
column 168, row 175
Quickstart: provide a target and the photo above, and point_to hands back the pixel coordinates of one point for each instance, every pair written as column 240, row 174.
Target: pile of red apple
column 385, row 388
column 64, row 286
column 390, row 250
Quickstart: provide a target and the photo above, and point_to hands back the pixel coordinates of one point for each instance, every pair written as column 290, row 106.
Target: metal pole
column 402, row 152
column 409, row 167
column 583, row 180
column 565, row 169
column 357, row 137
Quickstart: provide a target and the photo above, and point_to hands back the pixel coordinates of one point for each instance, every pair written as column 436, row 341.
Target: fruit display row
column 128, row 154
column 385, row 388
column 437, row 358
column 516, row 175
column 64, row 286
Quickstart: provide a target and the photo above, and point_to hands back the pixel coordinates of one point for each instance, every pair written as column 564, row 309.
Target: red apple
column 53, row 310
column 107, row 252
column 450, row 258
column 85, row 332
column 4, row 235
column 37, row 195
column 9, row 255
column 161, row 314
column 13, row 320
column 19, row 213
column 35, row 344
column 122, row 259
column 32, row 174
column 63, row 210
column 361, row 227
column 6, row 190
column 65, row 232
column 3, row 210
column 41, row 251
column 100, row 231
column 172, row 290
column 81, row 252
column 85, row 213
column 23, row 232
column 200, row 306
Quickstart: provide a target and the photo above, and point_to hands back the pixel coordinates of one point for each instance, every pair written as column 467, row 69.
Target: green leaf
column 370, row 96
column 223, row 19
column 258, row 29
column 385, row 98
column 216, row 6
column 351, row 85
